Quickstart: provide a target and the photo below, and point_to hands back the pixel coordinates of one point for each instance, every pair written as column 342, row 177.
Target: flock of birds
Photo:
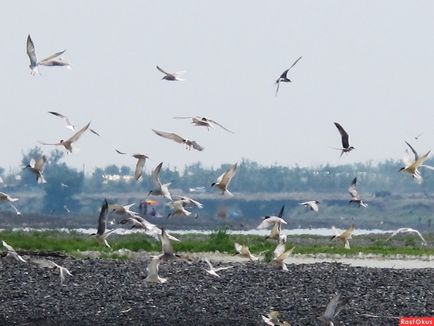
column 180, row 205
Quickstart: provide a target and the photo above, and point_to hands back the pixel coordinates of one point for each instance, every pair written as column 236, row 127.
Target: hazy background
column 366, row 64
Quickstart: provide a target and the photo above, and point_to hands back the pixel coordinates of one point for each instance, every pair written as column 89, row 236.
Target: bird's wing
column 40, row 163
column 352, row 189
column 416, row 156
column 218, row 124
column 329, row 313
column 48, row 61
column 141, row 160
column 295, row 62
column 155, row 176
column 277, row 86
column 31, row 51
column 209, row 264
column 348, row 232
column 8, row 247
column 166, row 245
column 222, row 268
column 238, row 247
column 280, row 249
column 44, row 143
column 78, row 134
column 420, row 235
column 344, row 135
column 170, row 135
column 227, row 176
column 196, row 146
column 119, row 152
column 407, row 159
column 94, row 132
column 102, row 220
column 60, row 115
column 183, row 117
column 281, row 211
column 283, row 75
column 161, row 70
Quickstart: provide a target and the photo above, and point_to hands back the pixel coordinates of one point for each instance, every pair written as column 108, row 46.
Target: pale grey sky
column 368, row 65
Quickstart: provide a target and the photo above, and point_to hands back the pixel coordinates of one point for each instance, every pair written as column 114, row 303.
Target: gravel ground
column 114, row 292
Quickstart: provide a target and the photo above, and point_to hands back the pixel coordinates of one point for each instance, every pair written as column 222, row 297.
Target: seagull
column 355, row 198
column 102, row 234
column 412, row 166
column 52, row 60
column 5, row 197
column 332, row 310
column 408, row 230
column 277, row 227
column 188, row 202
column 244, row 251
column 213, row 271
column 51, row 264
column 159, row 188
column 345, row 140
column 152, row 270
column 177, row 208
column 150, row 229
column 69, row 125
column 344, row 236
column 37, row 168
column 68, row 143
column 10, row 252
column 172, row 136
column 223, row 181
column 141, row 160
column 171, row 76
column 270, row 221
column 166, row 245
column 312, row 205
column 283, row 78
column 122, row 209
column 280, row 255
column 204, row 122
column 272, row 319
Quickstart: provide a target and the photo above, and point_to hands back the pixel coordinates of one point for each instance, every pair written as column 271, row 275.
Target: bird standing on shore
column 52, row 60
column 283, row 78
column 346, row 148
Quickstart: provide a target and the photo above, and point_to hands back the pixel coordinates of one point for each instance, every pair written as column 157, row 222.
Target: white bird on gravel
column 10, row 252
column 52, row 60
column 159, row 189
column 37, row 168
column 272, row 319
column 204, row 122
column 311, row 204
column 412, row 165
column 280, row 255
column 213, row 271
column 68, row 143
column 408, row 230
column 4, row 197
column 344, row 236
column 51, row 264
column 333, row 308
column 244, row 251
column 174, row 76
column 102, row 234
column 223, row 181
column 181, row 140
column 152, row 270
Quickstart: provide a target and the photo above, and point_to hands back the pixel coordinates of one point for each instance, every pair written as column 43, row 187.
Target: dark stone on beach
column 114, row 292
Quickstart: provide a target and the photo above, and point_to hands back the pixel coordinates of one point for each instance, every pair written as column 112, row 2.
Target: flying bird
column 204, row 122
column 51, row 264
column 52, row 60
column 122, row 209
column 175, row 76
column 213, row 271
column 244, row 251
column 69, row 125
column 333, row 308
column 224, row 180
column 102, row 234
column 283, row 78
column 166, row 245
column 408, row 230
column 68, row 143
column 268, row 221
column 277, row 227
column 4, row 197
column 37, row 168
column 159, row 189
column 141, row 160
column 280, row 254
column 344, row 236
column 412, row 165
column 152, row 270
column 10, row 252
column 172, row 136
column 355, row 197
column 345, row 140
column 312, row 205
